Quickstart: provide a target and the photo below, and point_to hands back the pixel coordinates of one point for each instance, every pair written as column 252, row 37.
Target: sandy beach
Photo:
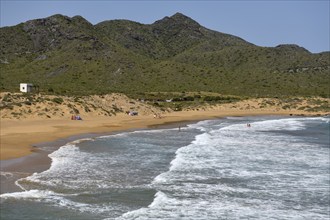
column 19, row 136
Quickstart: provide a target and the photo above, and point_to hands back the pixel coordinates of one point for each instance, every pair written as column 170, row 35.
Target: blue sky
column 264, row 23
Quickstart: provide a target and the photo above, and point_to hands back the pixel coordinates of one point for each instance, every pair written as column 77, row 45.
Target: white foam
column 327, row 120
column 30, row 194
column 60, row 161
column 323, row 119
column 146, row 131
column 80, row 141
column 206, row 178
column 73, row 169
column 201, row 125
column 67, row 162
column 7, row 175
column 207, row 145
column 155, row 210
column 279, row 124
column 56, row 199
column 234, row 152
column 160, row 199
column 123, row 134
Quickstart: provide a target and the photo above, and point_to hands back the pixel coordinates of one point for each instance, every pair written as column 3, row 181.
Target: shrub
column 86, row 109
column 58, row 100
column 176, row 99
column 76, row 111
column 286, row 107
column 6, row 98
column 188, row 98
column 116, row 109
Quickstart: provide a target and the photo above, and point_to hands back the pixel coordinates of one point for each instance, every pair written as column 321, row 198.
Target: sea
column 276, row 168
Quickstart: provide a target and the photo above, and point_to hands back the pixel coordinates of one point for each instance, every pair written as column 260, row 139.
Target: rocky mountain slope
column 64, row 55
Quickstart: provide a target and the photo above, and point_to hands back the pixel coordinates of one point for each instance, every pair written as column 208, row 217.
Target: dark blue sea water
column 217, row 169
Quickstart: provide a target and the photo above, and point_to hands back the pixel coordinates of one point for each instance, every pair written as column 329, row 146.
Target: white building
column 26, row 87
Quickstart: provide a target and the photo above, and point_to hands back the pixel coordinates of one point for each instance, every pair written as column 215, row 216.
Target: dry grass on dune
column 37, row 106
column 19, row 106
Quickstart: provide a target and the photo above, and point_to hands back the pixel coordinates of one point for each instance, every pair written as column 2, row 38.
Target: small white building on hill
column 25, row 87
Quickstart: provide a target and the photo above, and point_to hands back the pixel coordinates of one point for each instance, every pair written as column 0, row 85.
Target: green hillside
column 66, row 55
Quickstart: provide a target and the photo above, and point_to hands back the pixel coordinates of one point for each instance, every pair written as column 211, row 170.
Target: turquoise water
column 216, row 169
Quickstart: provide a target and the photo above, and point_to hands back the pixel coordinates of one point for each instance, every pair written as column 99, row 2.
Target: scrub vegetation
column 70, row 56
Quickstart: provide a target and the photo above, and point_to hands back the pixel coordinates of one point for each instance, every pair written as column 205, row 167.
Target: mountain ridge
column 72, row 56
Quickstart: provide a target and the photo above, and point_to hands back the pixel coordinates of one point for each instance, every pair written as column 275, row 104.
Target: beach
column 19, row 136
column 22, row 139
column 24, row 126
column 218, row 168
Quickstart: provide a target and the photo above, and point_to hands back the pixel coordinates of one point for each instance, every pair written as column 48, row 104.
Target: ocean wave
column 56, row 199
column 143, row 131
column 154, row 210
column 7, row 175
column 221, row 169
column 202, row 125
column 62, row 160
column 30, row 194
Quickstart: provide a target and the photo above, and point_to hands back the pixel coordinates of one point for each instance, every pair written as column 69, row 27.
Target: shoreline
column 38, row 161
column 34, row 158
column 20, row 134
